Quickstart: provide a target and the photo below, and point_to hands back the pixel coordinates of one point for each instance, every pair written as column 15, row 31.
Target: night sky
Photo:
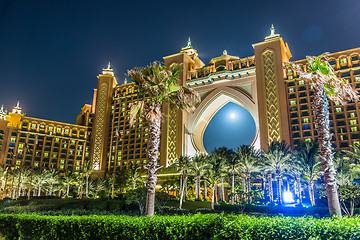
column 52, row 51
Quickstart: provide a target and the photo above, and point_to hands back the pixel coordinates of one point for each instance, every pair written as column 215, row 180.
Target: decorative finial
column 272, row 33
column 125, row 81
column 108, row 70
column 17, row 109
column 189, row 43
column 225, row 52
column 109, row 66
column 18, row 104
column 272, row 30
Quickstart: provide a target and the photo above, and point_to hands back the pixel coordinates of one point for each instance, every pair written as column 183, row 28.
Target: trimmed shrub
column 198, row 226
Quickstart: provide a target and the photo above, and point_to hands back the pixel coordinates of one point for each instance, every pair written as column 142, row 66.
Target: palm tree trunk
column 30, row 182
column 299, row 188
column 197, row 187
column 154, row 140
column 39, row 191
column 18, row 186
column 279, row 187
column 182, row 193
column 233, row 186
column 205, row 190
column 222, row 190
column 248, row 186
column 311, row 192
column 213, row 196
column 81, row 186
column 181, row 183
column 87, row 185
column 50, row 191
column 113, row 186
column 270, row 188
column 243, row 183
column 67, row 189
column 263, row 184
column 321, row 108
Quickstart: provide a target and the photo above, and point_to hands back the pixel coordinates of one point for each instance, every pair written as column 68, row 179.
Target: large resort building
column 278, row 101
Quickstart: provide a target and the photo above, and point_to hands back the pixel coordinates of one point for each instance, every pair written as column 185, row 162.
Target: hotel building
column 278, row 101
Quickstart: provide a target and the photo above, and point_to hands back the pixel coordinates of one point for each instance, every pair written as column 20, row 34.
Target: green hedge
column 209, row 226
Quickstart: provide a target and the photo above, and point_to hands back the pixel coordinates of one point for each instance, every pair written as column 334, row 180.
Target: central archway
column 209, row 106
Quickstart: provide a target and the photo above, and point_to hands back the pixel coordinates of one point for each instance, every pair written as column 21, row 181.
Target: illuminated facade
column 279, row 103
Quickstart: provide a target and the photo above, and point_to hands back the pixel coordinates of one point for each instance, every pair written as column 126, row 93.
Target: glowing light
column 232, row 115
column 288, row 197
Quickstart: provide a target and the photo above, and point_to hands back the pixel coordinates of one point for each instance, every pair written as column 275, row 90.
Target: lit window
column 21, row 145
column 79, row 153
column 306, row 120
column 18, row 162
column 13, row 139
column 301, row 82
column 67, row 130
column 77, row 168
column 72, row 141
column 341, row 137
column 119, row 158
column 338, row 109
column 290, row 77
column 62, row 161
column 78, row 162
column 50, row 129
column 307, row 139
column 33, row 125
column 353, row 122
column 71, row 151
column 64, row 145
column 291, row 90
column 357, row 79
column 86, row 154
column 46, row 154
column 352, row 115
column 58, row 130
column 353, row 129
column 61, row 166
column 293, row 102
column 343, row 60
column 57, row 139
column 42, row 126
column 36, row 164
column 54, row 155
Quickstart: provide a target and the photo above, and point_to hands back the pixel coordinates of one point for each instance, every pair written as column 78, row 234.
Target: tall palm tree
column 198, row 168
column 232, row 164
column 321, row 76
column 39, row 179
column 68, row 180
column 224, row 154
column 53, row 178
column 277, row 159
column 164, row 87
column 248, row 163
column 133, row 174
column 216, row 173
column 88, row 168
column 184, row 167
column 346, row 169
column 308, row 165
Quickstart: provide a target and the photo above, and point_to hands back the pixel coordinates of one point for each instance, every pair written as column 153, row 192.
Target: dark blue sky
column 52, row 51
column 232, row 126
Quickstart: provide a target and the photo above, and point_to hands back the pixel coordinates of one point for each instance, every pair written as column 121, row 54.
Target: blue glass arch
column 232, row 126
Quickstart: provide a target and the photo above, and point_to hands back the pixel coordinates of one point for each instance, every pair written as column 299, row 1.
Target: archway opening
column 231, row 126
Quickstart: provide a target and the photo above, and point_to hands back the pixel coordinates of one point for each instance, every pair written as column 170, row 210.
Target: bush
column 198, row 226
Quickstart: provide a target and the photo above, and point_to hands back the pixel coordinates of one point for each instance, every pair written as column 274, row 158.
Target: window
column 57, row 139
column 352, row 115
column 343, row 60
column 301, row 82
column 290, row 77
column 357, row 79
column 67, row 130
column 306, row 120
column 291, row 90
column 58, row 130
column 46, row 154
column 12, row 139
column 21, row 145
column 62, row 161
column 338, row 109
column 353, row 129
column 353, row 122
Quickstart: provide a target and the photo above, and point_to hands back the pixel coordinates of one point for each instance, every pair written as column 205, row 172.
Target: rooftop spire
column 17, row 109
column 189, row 50
column 272, row 33
column 108, row 70
column 2, row 113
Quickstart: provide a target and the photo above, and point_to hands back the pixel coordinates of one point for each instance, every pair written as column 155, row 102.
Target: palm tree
column 223, row 154
column 198, row 168
column 248, row 163
column 53, row 178
column 133, row 174
column 40, row 178
column 184, row 167
column 68, row 179
column 97, row 185
column 164, row 87
column 232, row 164
column 321, row 76
column 277, row 159
column 308, row 165
column 346, row 170
column 216, row 173
column 88, row 168
column 354, row 155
